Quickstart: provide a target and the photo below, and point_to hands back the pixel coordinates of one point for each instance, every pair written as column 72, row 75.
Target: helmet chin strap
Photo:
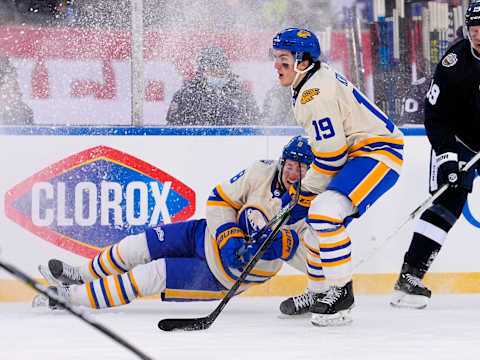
column 298, row 73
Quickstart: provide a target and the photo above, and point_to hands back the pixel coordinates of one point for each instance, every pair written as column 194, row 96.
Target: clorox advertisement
column 96, row 197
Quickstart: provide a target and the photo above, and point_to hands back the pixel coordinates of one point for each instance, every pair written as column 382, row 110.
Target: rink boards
column 68, row 192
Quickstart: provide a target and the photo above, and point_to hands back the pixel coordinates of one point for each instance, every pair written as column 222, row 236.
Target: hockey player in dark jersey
column 452, row 124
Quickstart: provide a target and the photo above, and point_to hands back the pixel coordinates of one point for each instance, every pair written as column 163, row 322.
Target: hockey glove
column 234, row 250
column 448, row 168
column 283, row 247
column 300, row 210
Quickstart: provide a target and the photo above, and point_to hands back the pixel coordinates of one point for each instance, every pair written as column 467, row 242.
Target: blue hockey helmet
column 298, row 149
column 299, row 41
column 472, row 15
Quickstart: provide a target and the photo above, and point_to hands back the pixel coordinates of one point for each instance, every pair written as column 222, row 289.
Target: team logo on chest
column 450, row 60
column 252, row 219
column 309, row 94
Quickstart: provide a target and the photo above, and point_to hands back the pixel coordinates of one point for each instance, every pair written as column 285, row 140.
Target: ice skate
column 297, row 305
column 42, row 300
column 60, row 273
column 409, row 290
column 334, row 307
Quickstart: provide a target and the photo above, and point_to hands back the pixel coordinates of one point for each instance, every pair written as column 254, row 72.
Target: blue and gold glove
column 233, row 247
column 283, row 247
column 300, row 210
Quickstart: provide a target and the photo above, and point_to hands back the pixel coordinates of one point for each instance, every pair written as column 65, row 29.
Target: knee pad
column 134, row 249
column 329, row 209
column 151, row 277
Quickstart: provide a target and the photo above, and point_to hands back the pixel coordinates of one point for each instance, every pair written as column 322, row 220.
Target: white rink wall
column 57, row 203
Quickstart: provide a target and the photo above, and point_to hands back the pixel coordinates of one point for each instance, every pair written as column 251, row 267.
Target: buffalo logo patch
column 304, row 34
column 309, row 94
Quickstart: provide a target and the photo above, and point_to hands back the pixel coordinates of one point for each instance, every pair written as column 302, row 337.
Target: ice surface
column 249, row 328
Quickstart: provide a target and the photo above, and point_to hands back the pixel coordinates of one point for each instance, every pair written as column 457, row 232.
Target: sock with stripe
column 117, row 258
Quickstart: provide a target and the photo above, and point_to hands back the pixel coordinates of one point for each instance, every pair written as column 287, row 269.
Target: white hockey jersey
column 342, row 123
column 255, row 187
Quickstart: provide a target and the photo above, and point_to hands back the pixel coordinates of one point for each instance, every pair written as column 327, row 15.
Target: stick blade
column 185, row 324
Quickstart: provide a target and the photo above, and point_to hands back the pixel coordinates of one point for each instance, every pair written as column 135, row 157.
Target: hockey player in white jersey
column 357, row 158
column 196, row 259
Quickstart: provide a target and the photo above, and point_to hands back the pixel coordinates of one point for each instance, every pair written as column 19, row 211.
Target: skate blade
column 40, row 301
column 341, row 318
column 47, row 275
column 407, row 301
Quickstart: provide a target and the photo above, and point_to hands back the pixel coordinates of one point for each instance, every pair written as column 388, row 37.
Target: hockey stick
column 420, row 209
column 205, row 322
column 63, row 303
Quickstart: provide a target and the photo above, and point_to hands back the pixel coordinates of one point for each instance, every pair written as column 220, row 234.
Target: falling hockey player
column 452, row 124
column 357, row 158
column 196, row 259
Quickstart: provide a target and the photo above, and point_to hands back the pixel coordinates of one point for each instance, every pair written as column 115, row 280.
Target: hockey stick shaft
column 420, row 209
column 63, row 303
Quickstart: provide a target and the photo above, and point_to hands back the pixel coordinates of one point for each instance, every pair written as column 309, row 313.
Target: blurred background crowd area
column 67, row 62
column 174, row 14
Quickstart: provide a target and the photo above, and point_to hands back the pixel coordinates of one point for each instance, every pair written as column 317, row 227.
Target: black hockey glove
column 448, row 168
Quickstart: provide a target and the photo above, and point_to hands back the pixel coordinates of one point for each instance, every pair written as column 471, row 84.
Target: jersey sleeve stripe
column 324, row 171
column 331, row 155
column 219, row 193
column 382, row 148
column 379, row 152
column 331, row 158
column 217, row 203
column 327, row 167
column 381, row 141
